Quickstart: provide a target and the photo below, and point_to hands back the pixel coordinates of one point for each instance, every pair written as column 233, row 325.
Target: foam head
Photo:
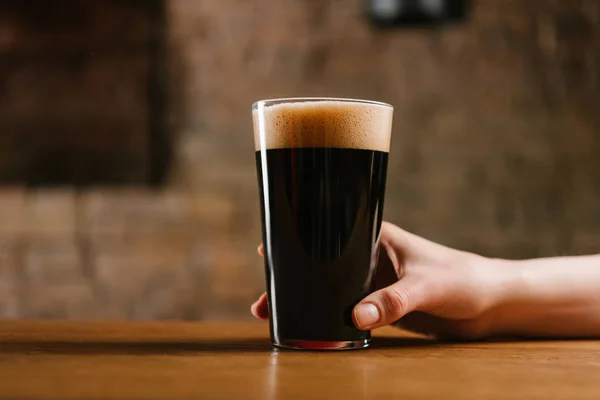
column 323, row 123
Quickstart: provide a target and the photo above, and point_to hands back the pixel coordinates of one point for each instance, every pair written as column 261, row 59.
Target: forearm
column 550, row 297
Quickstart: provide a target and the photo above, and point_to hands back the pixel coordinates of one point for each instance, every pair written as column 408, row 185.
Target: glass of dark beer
column 321, row 165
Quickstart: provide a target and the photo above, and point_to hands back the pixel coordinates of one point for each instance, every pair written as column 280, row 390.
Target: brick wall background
column 496, row 144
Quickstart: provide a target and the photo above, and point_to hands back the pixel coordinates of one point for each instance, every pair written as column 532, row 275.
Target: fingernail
column 366, row 315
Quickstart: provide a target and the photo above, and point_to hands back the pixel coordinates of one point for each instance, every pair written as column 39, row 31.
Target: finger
column 389, row 304
column 409, row 245
column 260, row 309
column 260, row 250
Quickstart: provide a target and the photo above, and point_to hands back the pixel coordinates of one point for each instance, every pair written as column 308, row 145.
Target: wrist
column 487, row 287
column 505, row 284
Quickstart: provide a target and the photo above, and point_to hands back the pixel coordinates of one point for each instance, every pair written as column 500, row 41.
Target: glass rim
column 284, row 100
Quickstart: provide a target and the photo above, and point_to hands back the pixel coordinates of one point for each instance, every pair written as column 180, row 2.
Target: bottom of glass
column 322, row 345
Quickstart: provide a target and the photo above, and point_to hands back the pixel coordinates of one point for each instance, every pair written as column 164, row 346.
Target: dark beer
column 321, row 203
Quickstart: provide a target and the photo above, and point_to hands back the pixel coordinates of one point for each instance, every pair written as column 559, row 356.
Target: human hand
column 426, row 288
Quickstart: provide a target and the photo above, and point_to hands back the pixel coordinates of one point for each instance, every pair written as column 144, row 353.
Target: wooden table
column 70, row 360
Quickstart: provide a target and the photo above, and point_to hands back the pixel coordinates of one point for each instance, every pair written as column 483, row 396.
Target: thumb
column 388, row 305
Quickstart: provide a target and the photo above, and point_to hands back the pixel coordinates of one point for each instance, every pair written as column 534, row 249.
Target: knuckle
column 395, row 302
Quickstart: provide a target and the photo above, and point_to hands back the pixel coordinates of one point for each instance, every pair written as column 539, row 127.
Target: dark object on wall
column 415, row 13
column 82, row 92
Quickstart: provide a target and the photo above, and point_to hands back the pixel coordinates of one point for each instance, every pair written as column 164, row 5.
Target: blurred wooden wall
column 495, row 149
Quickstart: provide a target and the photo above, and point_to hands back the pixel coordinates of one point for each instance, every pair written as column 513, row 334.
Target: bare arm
column 549, row 297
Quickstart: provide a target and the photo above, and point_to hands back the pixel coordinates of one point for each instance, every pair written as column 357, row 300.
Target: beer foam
column 324, row 123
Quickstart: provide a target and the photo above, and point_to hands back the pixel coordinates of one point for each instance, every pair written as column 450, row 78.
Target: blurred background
column 127, row 180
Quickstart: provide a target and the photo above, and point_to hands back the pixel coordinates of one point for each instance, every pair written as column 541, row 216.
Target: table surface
column 120, row 360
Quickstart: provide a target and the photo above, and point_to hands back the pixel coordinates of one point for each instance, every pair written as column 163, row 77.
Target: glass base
column 322, row 345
